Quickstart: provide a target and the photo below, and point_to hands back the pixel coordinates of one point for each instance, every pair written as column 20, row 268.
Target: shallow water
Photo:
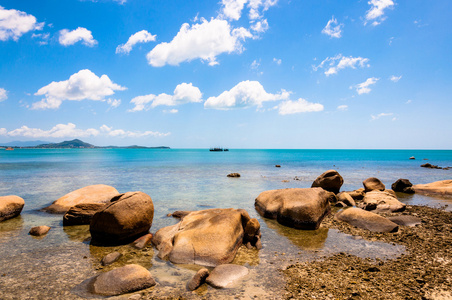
column 58, row 264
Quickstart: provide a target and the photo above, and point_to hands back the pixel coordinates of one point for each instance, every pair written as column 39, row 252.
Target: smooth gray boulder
column 406, row 220
column 129, row 278
column 366, row 220
column 226, row 276
column 297, row 208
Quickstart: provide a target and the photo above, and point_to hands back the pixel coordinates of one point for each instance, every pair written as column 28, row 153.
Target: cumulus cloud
column 134, row 134
column 58, row 131
column 364, row 87
column 15, row 23
column 394, row 78
column 257, row 7
column 245, row 94
column 339, row 62
column 205, row 41
column 373, row 118
column 83, row 85
column 68, row 38
column 3, row 94
column 300, row 106
column 183, row 93
column 376, row 12
column 140, row 37
column 232, row 9
column 342, row 107
column 333, row 29
column 259, row 27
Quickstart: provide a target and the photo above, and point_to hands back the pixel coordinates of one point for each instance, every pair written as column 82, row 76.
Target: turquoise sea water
column 183, row 179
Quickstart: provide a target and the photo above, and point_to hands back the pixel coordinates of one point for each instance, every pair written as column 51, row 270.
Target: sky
column 274, row 74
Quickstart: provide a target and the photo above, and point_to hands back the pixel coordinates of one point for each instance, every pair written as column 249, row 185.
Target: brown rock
column 207, row 237
column 198, row 279
column 123, row 280
column 297, row 208
column 357, row 194
column 443, row 187
column 39, row 230
column 383, row 201
column 81, row 214
column 372, row 184
column 330, row 181
column 10, row 207
column 405, row 220
column 143, row 241
column 366, row 220
column 346, row 199
column 99, row 193
column 126, row 217
column 403, row 186
column 234, row 175
column 226, row 276
column 110, row 258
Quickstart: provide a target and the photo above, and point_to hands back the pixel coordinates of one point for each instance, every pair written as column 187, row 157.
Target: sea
column 61, row 263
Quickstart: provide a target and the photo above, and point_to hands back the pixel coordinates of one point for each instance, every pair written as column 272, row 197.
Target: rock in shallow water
column 123, row 280
column 110, row 258
column 383, row 201
column 372, row 184
column 443, row 187
column 226, row 276
column 366, row 220
column 81, row 214
column 330, row 181
column 198, row 279
column 403, row 186
column 10, row 207
column 297, row 208
column 39, row 230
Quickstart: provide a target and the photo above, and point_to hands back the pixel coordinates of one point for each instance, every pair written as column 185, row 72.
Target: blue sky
column 233, row 73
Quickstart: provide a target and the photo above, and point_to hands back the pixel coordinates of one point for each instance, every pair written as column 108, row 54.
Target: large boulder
column 373, row 184
column 383, row 201
column 10, row 207
column 99, row 193
column 331, row 181
column 226, row 276
column 443, row 187
column 81, row 214
column 366, row 220
column 123, row 280
column 126, row 217
column 403, row 186
column 207, row 237
column 297, row 208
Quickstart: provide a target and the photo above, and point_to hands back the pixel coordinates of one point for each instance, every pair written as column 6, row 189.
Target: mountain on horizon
column 24, row 143
column 67, row 144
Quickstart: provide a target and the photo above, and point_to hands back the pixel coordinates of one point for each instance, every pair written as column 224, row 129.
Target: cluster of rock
column 430, row 166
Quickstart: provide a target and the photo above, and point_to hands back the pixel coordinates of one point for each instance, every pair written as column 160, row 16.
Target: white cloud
column 133, row 134
column 183, row 93
column 339, row 62
column 171, row 111
column 255, row 65
column 260, row 27
column 80, row 86
column 408, row 101
column 335, row 31
column 364, row 87
column 114, row 103
column 299, row 106
column 342, row 107
column 373, row 118
column 15, row 23
column 205, row 41
column 3, row 131
column 68, row 38
column 58, row 131
column 376, row 12
column 257, row 7
column 3, row 94
column 278, row 61
column 43, row 37
column 244, row 94
column 232, row 9
column 394, row 78
column 140, row 37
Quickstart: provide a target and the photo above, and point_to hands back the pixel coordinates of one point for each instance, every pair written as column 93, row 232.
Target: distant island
column 78, row 144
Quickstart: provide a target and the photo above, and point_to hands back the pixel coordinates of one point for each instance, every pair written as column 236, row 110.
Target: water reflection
column 11, row 227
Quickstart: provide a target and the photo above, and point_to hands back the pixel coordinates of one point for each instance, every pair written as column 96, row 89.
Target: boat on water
column 217, row 149
column 9, row 148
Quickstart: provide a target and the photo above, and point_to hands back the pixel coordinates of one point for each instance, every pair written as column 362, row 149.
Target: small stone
column 143, row 241
column 234, row 175
column 198, row 279
column 110, row 258
column 278, row 166
column 39, row 230
column 226, row 276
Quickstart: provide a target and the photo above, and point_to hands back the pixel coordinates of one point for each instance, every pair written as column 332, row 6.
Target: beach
column 58, row 264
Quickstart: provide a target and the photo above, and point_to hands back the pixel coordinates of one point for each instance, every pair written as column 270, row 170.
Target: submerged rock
column 443, row 187
column 403, row 186
column 198, row 279
column 110, row 258
column 330, row 181
column 126, row 217
column 297, row 208
column 226, row 276
column 373, row 184
column 366, row 220
column 129, row 278
column 207, row 237
column 10, row 207
column 39, row 230
column 99, row 193
column 383, row 201
column 81, row 214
